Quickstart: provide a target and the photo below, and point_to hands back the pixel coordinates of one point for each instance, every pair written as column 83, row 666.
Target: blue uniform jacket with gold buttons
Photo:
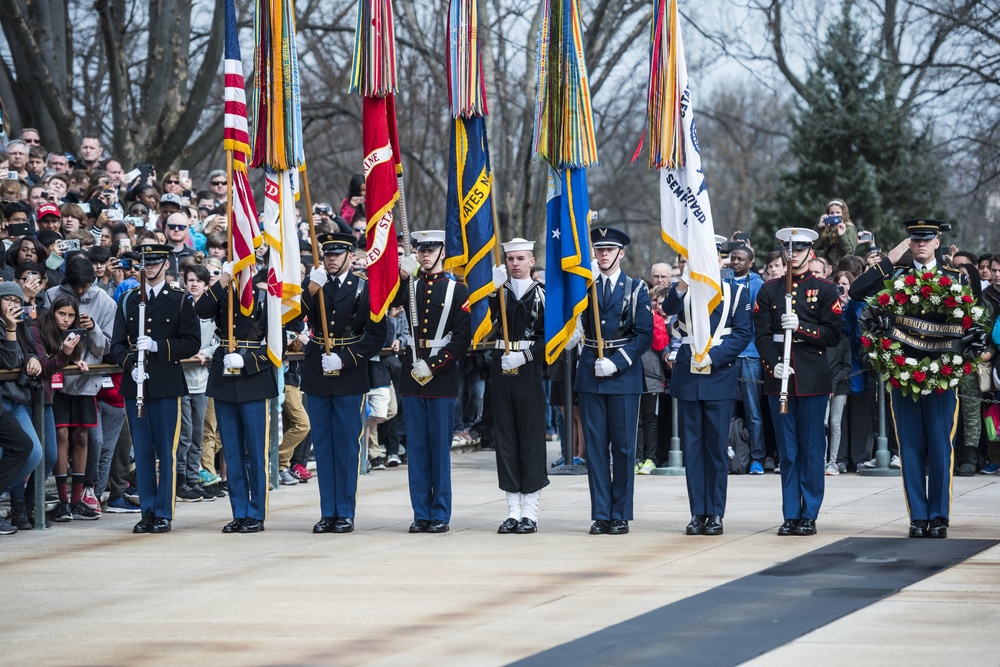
column 816, row 302
column 354, row 337
column 173, row 324
column 256, row 380
column 627, row 317
column 431, row 291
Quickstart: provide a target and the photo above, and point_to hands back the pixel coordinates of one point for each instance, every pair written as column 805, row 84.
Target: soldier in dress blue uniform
column 815, row 323
column 517, row 391
column 925, row 427
column 429, row 386
column 706, row 394
column 242, row 385
column 611, row 383
column 336, row 383
column 171, row 332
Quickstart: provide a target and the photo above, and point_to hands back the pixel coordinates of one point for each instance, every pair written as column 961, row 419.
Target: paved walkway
column 91, row 593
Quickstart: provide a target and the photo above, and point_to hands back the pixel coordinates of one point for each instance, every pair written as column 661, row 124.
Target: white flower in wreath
column 914, row 299
column 924, row 392
column 904, row 376
column 873, row 355
column 934, row 367
column 953, row 382
column 956, row 288
column 899, row 284
column 977, row 312
column 956, row 359
column 958, row 312
column 910, row 361
column 935, row 300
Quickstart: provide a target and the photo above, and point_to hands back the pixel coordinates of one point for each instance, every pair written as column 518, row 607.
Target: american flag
column 246, row 236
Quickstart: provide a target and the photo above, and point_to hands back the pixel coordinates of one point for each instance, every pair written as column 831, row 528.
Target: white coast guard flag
column 283, row 260
column 686, row 216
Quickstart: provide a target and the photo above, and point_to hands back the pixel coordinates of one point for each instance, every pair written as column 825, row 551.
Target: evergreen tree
column 851, row 140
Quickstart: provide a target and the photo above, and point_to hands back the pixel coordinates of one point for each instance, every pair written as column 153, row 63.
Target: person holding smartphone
column 838, row 236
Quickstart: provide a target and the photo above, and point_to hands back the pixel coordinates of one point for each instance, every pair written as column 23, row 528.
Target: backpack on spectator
column 739, row 447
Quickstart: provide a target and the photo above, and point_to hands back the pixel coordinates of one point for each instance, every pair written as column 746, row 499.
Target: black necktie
column 152, row 296
column 607, row 291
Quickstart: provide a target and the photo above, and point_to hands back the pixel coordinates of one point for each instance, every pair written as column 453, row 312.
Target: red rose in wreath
column 900, row 360
column 894, row 382
column 886, row 343
column 927, row 276
column 950, row 302
column 945, row 281
column 966, row 298
column 901, row 298
column 910, row 280
column 967, row 368
column 926, row 291
column 866, row 341
column 946, row 370
column 966, row 322
column 919, row 376
column 884, row 299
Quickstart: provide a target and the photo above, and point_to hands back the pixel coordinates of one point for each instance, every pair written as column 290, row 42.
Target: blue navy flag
column 567, row 259
column 469, row 233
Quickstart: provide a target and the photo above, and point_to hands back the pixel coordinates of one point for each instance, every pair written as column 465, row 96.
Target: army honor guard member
column 926, row 427
column 336, row 383
column 155, row 327
column 241, row 384
column 797, row 318
column 706, row 394
column 517, row 391
column 429, row 385
column 610, row 380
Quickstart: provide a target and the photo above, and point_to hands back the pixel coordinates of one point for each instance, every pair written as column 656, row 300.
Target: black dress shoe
column 788, row 528
column 697, row 525
column 618, row 527
column 420, row 526
column 918, row 529
column 160, row 525
column 233, row 526
column 713, row 525
column 437, row 526
column 252, row 526
column 938, row 528
column 145, row 524
column 806, row 527
column 526, row 526
column 325, row 525
column 508, row 527
column 600, row 527
column 343, row 525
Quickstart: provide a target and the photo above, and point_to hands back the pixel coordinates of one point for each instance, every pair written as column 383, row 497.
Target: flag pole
column 404, row 218
column 597, row 315
column 497, row 257
column 231, row 342
column 315, row 256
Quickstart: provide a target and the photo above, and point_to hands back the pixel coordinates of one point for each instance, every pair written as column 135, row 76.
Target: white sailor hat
column 719, row 240
column 518, row 244
column 430, row 238
column 798, row 237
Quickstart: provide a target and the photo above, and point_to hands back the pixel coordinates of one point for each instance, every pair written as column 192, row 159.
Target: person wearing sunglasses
column 218, row 185
column 176, row 229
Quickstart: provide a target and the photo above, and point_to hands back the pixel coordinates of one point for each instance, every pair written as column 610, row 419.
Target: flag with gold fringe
column 685, row 211
column 373, row 75
column 246, row 236
column 278, row 149
column 469, row 233
column 564, row 136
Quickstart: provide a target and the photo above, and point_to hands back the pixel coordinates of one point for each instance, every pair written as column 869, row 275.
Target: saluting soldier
column 171, row 332
column 925, row 427
column 706, row 395
column 815, row 325
column 336, row 383
column 242, row 384
column 611, row 382
column 429, row 385
column 517, row 392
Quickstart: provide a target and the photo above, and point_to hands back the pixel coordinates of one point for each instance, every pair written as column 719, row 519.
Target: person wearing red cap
column 48, row 217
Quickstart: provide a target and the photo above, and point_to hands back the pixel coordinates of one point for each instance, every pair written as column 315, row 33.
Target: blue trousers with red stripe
column 155, row 438
column 801, row 436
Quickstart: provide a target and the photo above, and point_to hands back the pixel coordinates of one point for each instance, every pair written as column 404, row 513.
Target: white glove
column 318, row 275
column 509, row 362
column 595, row 269
column 781, row 371
column 145, row 343
column 790, row 321
column 232, row 360
column 499, row 276
column 408, row 264
column 705, row 363
column 604, row 367
column 135, row 375
column 331, row 362
column 421, row 369
column 227, row 269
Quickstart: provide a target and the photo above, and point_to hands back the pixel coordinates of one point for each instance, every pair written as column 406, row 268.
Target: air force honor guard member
column 517, row 391
column 706, row 395
column 925, row 427
column 815, row 325
column 241, row 384
column 170, row 317
column 429, row 386
column 336, row 383
column 610, row 384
